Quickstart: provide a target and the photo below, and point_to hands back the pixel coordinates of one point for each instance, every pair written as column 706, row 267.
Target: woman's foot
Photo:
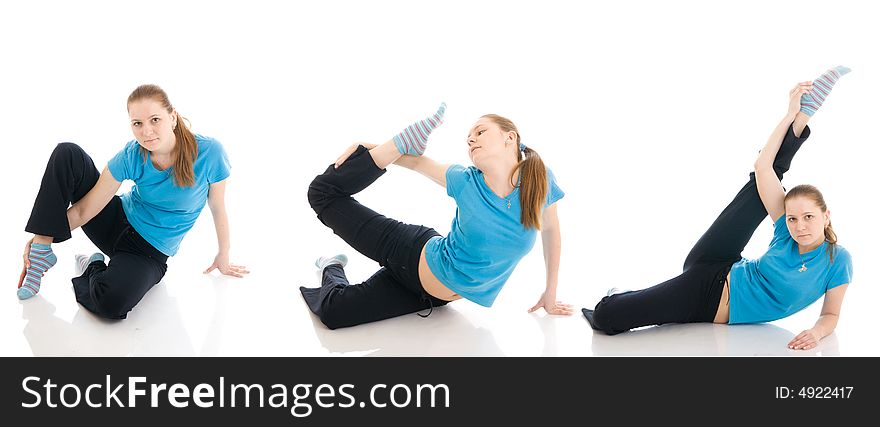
column 324, row 262
column 810, row 102
column 615, row 291
column 41, row 259
column 414, row 138
column 83, row 262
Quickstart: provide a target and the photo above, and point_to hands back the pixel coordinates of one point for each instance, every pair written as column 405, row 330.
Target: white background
column 650, row 115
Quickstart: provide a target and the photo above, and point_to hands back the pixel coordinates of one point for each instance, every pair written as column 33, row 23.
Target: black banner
column 430, row 391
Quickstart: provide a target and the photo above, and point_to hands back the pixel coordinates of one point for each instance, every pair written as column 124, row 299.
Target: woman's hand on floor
column 552, row 306
column 221, row 262
column 804, row 341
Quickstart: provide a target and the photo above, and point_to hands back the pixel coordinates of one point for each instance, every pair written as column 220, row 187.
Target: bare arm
column 826, row 323
column 551, row 238
column 434, row 170
column 80, row 213
column 769, row 187
column 424, row 165
column 217, row 204
column 94, row 201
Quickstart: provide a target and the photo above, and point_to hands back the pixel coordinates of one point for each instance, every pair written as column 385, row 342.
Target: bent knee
column 333, row 320
column 318, row 198
column 110, row 304
column 67, row 149
column 112, row 309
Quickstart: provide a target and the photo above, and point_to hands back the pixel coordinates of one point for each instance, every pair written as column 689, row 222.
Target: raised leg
column 728, row 235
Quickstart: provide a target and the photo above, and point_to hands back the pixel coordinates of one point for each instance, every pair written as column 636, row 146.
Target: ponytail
column 831, row 238
column 532, row 177
column 184, row 154
column 533, row 186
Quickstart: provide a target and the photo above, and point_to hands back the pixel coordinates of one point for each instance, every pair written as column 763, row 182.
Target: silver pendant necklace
column 510, row 196
column 803, row 263
column 507, row 198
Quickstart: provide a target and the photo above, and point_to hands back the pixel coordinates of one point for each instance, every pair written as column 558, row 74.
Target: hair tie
column 522, row 147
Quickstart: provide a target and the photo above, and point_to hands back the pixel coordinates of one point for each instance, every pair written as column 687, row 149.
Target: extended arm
column 217, row 204
column 769, row 187
column 826, row 323
column 424, row 165
column 551, row 237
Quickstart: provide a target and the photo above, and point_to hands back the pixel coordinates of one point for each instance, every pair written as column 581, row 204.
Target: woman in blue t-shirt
column 502, row 203
column 175, row 172
column 803, row 262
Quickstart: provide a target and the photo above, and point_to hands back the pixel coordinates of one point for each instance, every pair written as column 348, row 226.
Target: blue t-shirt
column 772, row 287
column 486, row 240
column 158, row 210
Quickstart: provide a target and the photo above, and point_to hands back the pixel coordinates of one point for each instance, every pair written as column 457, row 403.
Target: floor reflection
column 706, row 339
column 446, row 332
column 153, row 328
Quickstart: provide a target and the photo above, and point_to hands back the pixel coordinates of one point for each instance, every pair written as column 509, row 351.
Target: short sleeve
column 841, row 268
column 554, row 193
column 124, row 164
column 456, row 178
column 217, row 161
column 780, row 231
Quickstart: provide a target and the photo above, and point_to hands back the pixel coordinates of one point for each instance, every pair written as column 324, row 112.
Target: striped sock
column 41, row 258
column 615, row 290
column 414, row 138
column 324, row 262
column 83, row 262
column 810, row 102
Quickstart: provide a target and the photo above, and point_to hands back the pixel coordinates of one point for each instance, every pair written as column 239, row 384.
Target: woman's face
column 488, row 142
column 152, row 125
column 806, row 222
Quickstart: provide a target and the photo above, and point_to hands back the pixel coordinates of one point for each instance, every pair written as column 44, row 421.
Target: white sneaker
column 83, row 261
column 324, row 262
column 616, row 290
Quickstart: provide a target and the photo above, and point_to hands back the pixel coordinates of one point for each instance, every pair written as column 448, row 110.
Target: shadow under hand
column 212, row 346
column 547, row 323
column 707, row 339
column 446, row 332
